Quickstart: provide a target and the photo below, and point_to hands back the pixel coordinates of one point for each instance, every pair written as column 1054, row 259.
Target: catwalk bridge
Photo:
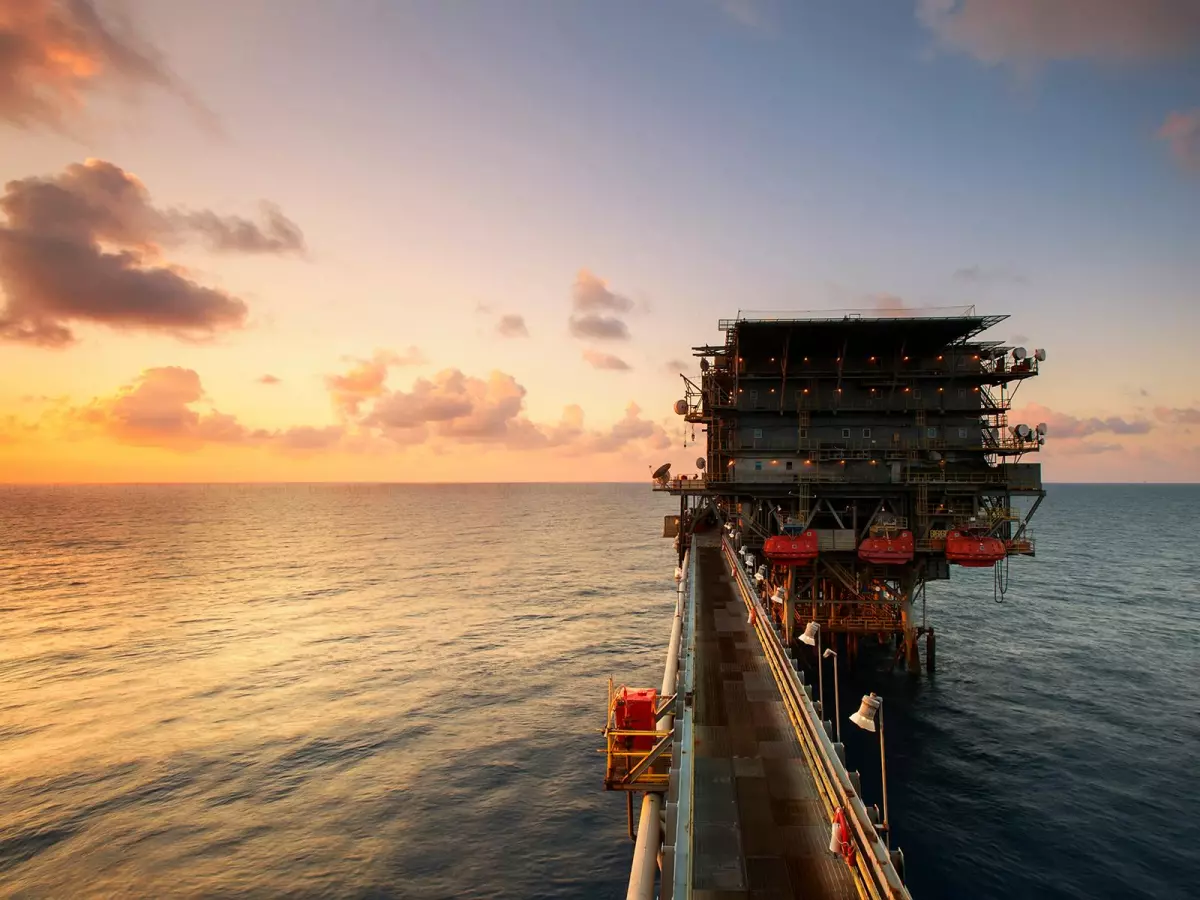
column 746, row 793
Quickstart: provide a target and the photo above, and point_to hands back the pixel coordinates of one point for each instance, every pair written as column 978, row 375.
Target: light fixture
column 905, row 359
column 865, row 717
column 810, row 636
column 837, row 703
column 939, row 359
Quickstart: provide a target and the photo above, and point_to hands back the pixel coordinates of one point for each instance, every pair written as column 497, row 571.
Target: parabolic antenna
column 1039, row 355
column 1019, row 353
column 661, row 471
column 703, row 364
column 700, row 463
column 680, row 407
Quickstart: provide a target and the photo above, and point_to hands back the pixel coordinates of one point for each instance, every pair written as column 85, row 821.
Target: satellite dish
column 680, row 407
column 700, row 463
column 1019, row 353
column 661, row 471
column 703, row 364
column 1039, row 355
column 1022, row 431
column 1041, row 429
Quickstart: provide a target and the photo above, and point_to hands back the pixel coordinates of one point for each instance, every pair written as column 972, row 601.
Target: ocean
column 398, row 691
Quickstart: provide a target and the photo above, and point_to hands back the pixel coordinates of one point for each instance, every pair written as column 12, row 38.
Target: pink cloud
column 365, row 380
column 1034, row 31
column 1063, row 425
column 1181, row 131
column 598, row 360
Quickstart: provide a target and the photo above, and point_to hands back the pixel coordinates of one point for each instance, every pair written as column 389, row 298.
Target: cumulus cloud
column 512, row 325
column 166, row 407
column 598, row 360
column 979, row 275
column 53, row 53
column 1025, row 32
column 1178, row 416
column 269, row 379
column 1063, row 425
column 366, row 378
column 86, row 246
column 604, row 328
column 596, row 310
column 591, row 294
column 1181, row 131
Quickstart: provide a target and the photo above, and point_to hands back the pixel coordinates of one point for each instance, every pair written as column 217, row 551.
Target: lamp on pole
column 837, row 704
column 870, row 709
column 812, row 637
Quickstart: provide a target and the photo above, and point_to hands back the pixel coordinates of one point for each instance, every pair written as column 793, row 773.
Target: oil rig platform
column 852, row 457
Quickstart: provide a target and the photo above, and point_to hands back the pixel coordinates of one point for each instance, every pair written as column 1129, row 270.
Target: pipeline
column 643, row 873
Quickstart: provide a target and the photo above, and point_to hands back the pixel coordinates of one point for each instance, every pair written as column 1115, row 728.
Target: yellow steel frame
column 622, row 762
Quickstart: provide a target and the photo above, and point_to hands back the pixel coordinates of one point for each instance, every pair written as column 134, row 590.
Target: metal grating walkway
column 760, row 830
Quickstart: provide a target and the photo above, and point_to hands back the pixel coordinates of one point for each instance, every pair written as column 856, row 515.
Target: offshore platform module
column 852, row 457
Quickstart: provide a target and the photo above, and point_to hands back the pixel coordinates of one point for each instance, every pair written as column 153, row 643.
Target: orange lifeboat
column 791, row 549
column 886, row 549
column 974, row 550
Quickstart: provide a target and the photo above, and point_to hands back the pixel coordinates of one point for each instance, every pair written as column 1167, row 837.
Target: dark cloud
column 512, row 326
column 1062, row 425
column 85, row 246
column 605, row 328
column 590, row 294
column 979, row 275
column 1181, row 131
column 1178, row 416
column 675, row 366
column 598, row 360
column 233, row 234
column 54, row 53
column 1025, row 32
column 268, row 379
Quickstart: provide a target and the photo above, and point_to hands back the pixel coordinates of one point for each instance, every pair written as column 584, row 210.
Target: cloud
column 1091, row 448
column 1062, row 425
column 269, row 379
column 1029, row 32
column 156, row 411
column 233, row 234
column 1018, row 340
column 675, row 366
column 605, row 328
column 53, row 53
column 591, row 299
column 165, row 407
column 1177, row 416
column 978, row 275
column 1181, row 131
column 366, row 379
column 590, row 294
column 598, row 360
column 512, row 326
column 451, row 404
column 86, row 246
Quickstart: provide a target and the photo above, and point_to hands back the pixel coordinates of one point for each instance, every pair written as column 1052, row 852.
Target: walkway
column 760, row 830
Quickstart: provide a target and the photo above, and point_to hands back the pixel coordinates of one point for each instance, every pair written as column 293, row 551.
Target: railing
column 874, row 870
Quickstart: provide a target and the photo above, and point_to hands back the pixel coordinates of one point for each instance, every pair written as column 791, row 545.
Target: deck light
column 870, row 709
column 806, row 359
column 865, row 717
column 872, row 359
column 939, row 359
column 810, row 635
column 905, row 359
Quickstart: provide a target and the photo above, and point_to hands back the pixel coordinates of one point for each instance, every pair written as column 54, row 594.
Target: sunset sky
column 421, row 241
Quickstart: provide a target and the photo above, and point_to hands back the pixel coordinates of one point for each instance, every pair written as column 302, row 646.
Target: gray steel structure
column 861, row 423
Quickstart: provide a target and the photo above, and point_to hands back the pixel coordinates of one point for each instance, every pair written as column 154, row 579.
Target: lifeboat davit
column 886, row 550
column 974, row 550
column 791, row 549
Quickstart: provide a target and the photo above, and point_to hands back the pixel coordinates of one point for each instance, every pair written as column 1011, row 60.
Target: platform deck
column 760, row 829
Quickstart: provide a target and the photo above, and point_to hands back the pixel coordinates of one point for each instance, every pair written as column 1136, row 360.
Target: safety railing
column 874, row 870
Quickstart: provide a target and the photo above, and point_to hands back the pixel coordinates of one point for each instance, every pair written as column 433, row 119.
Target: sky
column 300, row 240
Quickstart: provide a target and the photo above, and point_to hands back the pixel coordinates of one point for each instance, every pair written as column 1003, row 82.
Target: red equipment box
column 635, row 712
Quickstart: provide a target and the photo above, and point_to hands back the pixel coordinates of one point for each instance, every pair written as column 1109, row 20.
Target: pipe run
column 643, row 874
